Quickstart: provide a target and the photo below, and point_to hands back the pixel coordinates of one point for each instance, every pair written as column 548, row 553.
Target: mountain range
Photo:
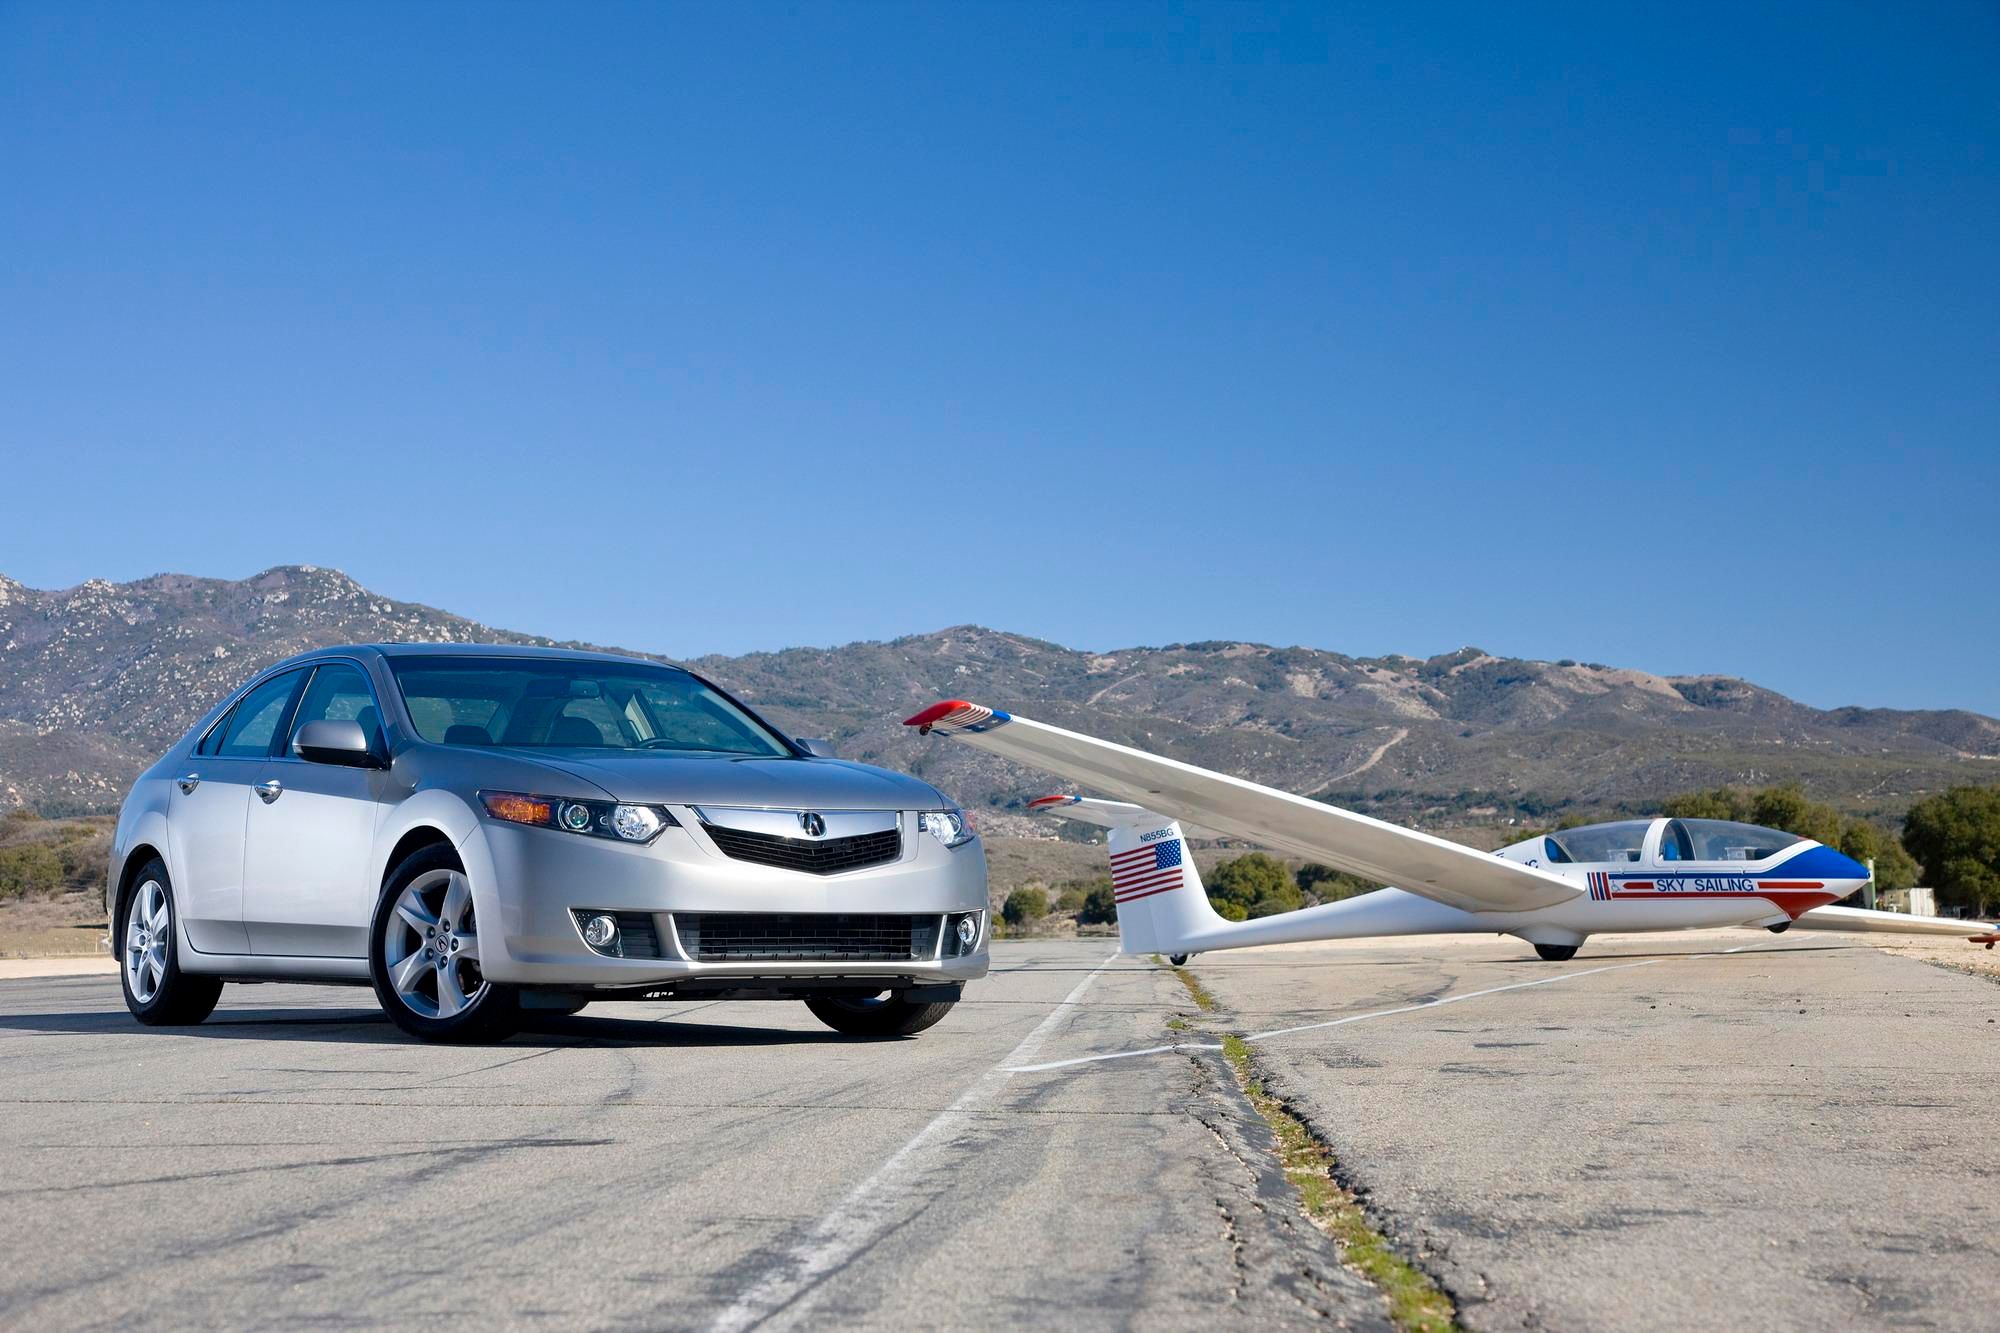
column 96, row 679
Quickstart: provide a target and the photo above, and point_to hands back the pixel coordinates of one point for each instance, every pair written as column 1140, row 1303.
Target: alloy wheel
column 148, row 929
column 431, row 946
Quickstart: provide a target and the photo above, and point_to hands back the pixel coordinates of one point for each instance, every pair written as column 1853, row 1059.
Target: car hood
column 790, row 784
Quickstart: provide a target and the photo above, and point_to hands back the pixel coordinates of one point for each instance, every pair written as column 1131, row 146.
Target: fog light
column 600, row 931
column 968, row 931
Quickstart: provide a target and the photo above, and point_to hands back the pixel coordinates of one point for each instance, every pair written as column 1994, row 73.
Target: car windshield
column 551, row 703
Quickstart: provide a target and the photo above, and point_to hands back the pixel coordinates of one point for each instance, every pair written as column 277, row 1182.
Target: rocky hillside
column 94, row 679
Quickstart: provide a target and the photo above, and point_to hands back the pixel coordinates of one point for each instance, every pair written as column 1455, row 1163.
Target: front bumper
column 530, row 882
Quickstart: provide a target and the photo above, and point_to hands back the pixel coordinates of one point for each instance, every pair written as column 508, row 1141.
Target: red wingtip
column 934, row 712
column 1040, row 801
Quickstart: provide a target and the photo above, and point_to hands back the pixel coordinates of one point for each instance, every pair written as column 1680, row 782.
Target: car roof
column 391, row 650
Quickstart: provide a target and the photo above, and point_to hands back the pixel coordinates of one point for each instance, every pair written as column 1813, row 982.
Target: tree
column 1859, row 840
column 1071, row 897
column 1783, row 807
column 1894, row 867
column 1787, row 808
column 1957, row 837
column 1100, row 907
column 1025, row 905
column 1260, row 885
column 1720, row 803
column 1324, row 884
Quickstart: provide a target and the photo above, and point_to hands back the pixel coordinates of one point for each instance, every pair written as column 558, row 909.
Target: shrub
column 1071, row 899
column 1324, row 884
column 1258, row 884
column 1025, row 905
column 29, row 869
column 84, row 853
column 1100, row 907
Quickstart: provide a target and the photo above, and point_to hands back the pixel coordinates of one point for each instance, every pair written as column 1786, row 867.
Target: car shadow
column 372, row 1027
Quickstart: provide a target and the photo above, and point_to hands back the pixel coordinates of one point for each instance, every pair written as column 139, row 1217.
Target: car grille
column 829, row 937
column 826, row 856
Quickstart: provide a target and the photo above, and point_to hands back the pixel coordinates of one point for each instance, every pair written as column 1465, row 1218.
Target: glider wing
column 1890, row 923
column 1419, row 863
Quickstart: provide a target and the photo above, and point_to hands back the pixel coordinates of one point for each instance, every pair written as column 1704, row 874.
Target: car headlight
column 597, row 819
column 953, row 828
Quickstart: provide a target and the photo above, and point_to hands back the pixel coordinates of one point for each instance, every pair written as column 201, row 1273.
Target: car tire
column 877, row 1016
column 423, row 954
column 157, row 991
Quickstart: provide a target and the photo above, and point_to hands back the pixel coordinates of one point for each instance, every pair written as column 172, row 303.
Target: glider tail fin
column 1162, row 905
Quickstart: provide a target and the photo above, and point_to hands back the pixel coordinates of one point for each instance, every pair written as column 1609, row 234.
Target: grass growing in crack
column 1202, row 999
column 1415, row 1303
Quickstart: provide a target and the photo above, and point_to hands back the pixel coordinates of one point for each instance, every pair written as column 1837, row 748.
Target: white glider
column 1553, row 891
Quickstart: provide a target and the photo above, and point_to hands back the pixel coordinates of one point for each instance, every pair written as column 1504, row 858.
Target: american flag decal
column 1145, row 871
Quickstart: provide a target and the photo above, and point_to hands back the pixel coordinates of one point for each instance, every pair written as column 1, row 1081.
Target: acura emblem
column 813, row 823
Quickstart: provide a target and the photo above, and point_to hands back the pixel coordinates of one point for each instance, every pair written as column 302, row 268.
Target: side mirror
column 342, row 743
column 820, row 749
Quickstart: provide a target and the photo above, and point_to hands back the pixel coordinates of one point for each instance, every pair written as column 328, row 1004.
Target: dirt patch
column 1954, row 954
column 65, row 926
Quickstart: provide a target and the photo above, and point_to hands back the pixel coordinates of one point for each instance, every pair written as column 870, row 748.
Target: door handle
column 188, row 783
column 269, row 791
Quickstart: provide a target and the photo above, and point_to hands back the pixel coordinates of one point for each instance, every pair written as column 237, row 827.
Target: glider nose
column 1847, row 868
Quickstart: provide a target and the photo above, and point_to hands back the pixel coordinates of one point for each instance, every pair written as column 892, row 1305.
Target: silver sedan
column 482, row 831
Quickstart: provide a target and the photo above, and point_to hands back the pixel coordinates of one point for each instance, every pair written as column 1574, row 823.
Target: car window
column 212, row 742
column 339, row 693
column 555, row 703
column 571, row 721
column 255, row 722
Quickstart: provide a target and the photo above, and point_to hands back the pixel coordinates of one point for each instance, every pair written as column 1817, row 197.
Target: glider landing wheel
column 1780, row 928
column 1556, row 953
column 1177, row 959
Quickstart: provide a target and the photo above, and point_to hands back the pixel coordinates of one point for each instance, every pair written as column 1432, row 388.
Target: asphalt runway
column 1653, row 1135
column 1804, row 1134
column 725, row 1166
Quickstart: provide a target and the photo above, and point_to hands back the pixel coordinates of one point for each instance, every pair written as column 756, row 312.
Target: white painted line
column 876, row 1204
column 1447, row 999
column 1375, row 1013
column 1114, row 1055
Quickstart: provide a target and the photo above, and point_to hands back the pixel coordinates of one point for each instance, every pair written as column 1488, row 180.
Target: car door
column 307, row 890
column 207, row 810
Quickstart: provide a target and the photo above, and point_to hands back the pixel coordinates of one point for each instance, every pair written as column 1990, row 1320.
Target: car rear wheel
column 156, row 990
column 877, row 1015
column 423, row 953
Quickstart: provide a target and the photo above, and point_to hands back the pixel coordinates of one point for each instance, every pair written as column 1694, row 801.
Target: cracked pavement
column 1795, row 1137
column 296, row 1161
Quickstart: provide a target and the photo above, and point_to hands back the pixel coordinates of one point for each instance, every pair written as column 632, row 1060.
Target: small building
column 1917, row 901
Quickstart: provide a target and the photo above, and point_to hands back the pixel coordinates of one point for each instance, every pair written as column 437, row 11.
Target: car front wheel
column 423, row 953
column 156, row 990
column 877, row 1015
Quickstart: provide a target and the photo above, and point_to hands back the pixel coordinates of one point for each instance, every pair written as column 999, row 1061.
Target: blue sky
column 1623, row 333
